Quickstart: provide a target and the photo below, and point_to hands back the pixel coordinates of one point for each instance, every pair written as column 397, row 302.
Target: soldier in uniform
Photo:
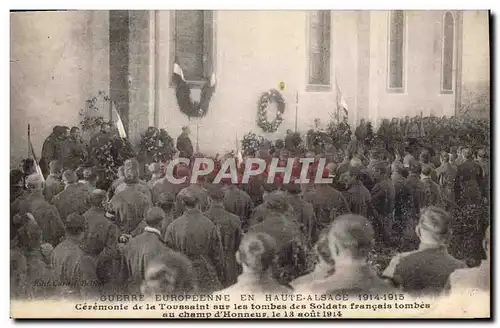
column 229, row 229
column 36, row 264
column 131, row 200
column 468, row 181
column 256, row 254
column 101, row 236
column 50, row 149
column 432, row 191
column 239, row 203
column 194, row 235
column 76, row 148
column 446, row 174
column 45, row 214
column 425, row 271
column 425, row 161
column 53, row 183
column 482, row 160
column 74, row 270
column 328, row 203
column 383, row 197
column 200, row 192
column 142, row 249
column 73, row 198
column 351, row 238
column 290, row 243
column 166, row 201
column 304, row 212
column 357, row 196
column 184, row 144
column 131, row 182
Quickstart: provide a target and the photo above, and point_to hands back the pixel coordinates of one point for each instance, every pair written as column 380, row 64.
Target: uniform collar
column 424, row 246
column 152, row 230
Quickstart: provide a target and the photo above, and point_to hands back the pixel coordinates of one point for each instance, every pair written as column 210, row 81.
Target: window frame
column 313, row 87
column 453, row 63
column 404, row 64
column 209, row 56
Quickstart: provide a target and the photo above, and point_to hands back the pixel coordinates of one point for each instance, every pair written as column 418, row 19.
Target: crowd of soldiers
column 71, row 238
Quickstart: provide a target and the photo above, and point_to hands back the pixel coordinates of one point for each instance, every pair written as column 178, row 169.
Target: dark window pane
column 319, row 54
column 448, row 52
column 189, row 44
column 396, row 74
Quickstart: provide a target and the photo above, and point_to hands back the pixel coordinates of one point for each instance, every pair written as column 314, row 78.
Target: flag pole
column 197, row 134
column 296, row 109
column 29, row 138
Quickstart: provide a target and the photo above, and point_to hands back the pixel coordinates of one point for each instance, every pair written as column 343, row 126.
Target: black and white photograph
column 250, row 164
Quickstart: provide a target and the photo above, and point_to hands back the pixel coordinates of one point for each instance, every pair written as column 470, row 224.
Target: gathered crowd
column 408, row 210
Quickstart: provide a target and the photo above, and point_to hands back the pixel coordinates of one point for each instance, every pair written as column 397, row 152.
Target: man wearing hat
column 194, row 235
column 45, row 214
column 229, row 229
column 143, row 248
column 426, row 270
column 184, row 144
column 74, row 270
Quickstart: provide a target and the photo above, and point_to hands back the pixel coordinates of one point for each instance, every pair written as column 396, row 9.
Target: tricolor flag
column 32, row 153
column 119, row 123
column 239, row 156
column 342, row 110
column 178, row 75
column 178, row 71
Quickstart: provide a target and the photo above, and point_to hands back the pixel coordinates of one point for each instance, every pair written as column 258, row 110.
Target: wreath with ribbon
column 266, row 98
column 189, row 107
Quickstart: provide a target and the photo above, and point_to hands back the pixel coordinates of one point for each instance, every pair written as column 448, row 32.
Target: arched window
column 319, row 48
column 448, row 52
column 397, row 50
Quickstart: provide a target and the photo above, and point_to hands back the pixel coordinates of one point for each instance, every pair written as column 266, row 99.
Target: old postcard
column 217, row 164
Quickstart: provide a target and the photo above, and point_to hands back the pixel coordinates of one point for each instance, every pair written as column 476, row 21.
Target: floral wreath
column 266, row 98
column 189, row 107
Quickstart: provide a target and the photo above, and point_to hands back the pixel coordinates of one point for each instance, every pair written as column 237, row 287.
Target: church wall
column 423, row 68
column 58, row 60
column 255, row 51
column 476, row 62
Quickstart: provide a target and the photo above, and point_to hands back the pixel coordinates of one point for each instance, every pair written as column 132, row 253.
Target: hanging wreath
column 187, row 106
column 272, row 95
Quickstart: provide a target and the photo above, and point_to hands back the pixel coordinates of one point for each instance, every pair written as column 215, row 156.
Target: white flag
column 212, row 80
column 341, row 103
column 178, row 71
column 239, row 156
column 119, row 123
